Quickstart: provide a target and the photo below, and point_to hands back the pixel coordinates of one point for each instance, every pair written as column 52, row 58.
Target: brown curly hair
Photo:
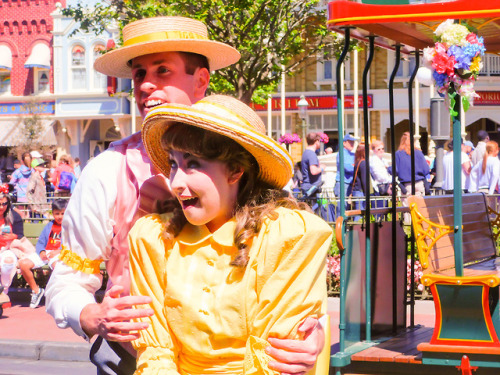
column 256, row 200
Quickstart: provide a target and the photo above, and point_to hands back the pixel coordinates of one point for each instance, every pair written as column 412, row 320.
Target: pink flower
column 472, row 38
column 444, row 64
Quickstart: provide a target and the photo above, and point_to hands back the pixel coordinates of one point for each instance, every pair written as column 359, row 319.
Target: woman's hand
column 297, row 357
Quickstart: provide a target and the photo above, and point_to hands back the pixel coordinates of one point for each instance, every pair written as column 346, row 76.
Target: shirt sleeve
column 41, row 244
column 290, row 282
column 87, row 230
column 157, row 349
column 17, row 225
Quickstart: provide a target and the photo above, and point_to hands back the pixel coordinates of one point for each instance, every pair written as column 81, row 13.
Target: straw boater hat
column 227, row 116
column 164, row 34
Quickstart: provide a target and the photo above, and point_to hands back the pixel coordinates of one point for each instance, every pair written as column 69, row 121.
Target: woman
column 237, row 262
column 360, row 186
column 378, row 169
column 11, row 227
column 485, row 176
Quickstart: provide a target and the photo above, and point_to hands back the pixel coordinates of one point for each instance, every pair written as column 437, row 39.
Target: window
column 79, row 74
column 43, row 81
column 99, row 81
column 491, row 66
column 4, row 82
column 326, row 72
column 406, row 67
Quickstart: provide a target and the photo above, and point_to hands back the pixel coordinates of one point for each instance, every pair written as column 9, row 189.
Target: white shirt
column 448, row 170
column 487, row 180
column 378, row 170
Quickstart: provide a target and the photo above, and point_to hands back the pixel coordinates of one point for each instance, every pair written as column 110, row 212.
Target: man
column 348, row 150
column 169, row 59
column 311, row 168
column 480, row 150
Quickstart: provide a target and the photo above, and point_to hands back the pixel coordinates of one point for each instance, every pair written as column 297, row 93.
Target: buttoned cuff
column 73, row 312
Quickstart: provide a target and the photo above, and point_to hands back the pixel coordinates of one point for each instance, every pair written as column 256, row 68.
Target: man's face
column 349, row 145
column 161, row 78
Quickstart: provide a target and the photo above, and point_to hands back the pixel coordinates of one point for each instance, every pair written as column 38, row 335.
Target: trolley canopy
column 413, row 25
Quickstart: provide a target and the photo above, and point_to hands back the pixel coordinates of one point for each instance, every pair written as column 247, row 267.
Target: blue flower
column 440, row 78
column 463, row 60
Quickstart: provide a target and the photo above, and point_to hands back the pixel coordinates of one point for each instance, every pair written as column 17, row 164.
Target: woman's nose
column 178, row 180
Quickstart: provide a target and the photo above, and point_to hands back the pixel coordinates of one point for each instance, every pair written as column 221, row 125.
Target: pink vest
column 140, row 191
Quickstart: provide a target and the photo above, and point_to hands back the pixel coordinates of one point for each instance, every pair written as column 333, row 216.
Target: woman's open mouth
column 188, row 202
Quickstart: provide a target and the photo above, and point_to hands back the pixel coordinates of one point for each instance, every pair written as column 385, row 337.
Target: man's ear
column 235, row 176
column 202, row 79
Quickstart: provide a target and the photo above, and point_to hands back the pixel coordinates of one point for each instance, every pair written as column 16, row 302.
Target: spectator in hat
column 347, row 148
column 480, row 150
column 36, row 191
column 468, row 148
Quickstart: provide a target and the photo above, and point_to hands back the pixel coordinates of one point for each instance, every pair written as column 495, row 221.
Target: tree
column 269, row 34
column 30, row 128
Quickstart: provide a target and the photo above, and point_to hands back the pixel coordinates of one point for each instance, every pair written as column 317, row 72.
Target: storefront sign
column 487, row 98
column 45, row 108
column 315, row 103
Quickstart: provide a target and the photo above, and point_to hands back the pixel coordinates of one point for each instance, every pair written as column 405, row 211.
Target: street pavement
column 30, row 339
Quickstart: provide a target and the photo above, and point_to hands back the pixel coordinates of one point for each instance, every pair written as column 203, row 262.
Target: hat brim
column 115, row 63
column 275, row 164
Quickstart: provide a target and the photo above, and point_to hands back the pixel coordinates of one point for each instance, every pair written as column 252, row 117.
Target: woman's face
column 206, row 189
column 379, row 150
column 4, row 202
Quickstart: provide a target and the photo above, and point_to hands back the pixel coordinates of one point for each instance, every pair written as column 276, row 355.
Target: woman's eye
column 172, row 163
column 193, row 164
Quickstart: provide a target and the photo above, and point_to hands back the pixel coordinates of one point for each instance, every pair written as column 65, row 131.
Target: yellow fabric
column 212, row 318
column 163, row 36
column 73, row 260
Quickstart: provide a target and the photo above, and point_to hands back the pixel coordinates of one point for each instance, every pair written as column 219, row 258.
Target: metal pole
column 283, row 118
column 340, row 169
column 397, row 58
column 367, row 197
column 457, row 187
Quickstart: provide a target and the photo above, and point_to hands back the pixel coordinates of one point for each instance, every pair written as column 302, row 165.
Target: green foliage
column 267, row 33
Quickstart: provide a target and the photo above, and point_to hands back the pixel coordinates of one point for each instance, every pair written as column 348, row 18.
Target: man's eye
column 139, row 74
column 162, row 70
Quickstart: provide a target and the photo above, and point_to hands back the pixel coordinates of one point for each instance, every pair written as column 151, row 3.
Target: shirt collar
column 193, row 235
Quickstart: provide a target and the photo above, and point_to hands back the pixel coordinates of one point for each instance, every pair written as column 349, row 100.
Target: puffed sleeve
column 290, row 281
column 87, row 230
column 156, row 348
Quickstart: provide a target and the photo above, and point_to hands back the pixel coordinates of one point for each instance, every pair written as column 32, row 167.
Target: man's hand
column 111, row 318
column 297, row 357
column 43, row 256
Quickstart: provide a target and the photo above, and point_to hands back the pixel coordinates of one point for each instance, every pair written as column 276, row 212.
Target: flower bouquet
column 289, row 138
column 324, row 137
column 455, row 62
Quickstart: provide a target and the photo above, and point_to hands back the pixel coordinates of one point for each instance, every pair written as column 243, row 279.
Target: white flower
column 442, row 27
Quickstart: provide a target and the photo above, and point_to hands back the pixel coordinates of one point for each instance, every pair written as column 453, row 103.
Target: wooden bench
column 467, row 308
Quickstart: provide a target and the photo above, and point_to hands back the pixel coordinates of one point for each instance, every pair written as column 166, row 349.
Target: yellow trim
column 486, row 280
column 421, row 234
column 163, row 36
column 73, row 260
column 495, row 223
column 396, row 17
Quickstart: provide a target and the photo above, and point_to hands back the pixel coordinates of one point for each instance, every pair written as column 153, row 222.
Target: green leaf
column 465, row 103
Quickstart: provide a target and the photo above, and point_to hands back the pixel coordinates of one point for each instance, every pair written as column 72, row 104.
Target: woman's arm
column 290, row 283
column 156, row 347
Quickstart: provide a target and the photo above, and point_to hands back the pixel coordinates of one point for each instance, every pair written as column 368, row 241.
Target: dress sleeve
column 290, row 281
column 156, row 349
column 87, row 230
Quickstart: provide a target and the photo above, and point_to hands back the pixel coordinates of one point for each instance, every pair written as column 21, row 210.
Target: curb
column 45, row 350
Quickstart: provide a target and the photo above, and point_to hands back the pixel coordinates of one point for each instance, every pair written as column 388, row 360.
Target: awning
column 11, row 133
column 39, row 58
column 5, row 57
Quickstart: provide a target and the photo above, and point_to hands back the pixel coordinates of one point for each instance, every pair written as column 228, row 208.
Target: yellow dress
column 213, row 318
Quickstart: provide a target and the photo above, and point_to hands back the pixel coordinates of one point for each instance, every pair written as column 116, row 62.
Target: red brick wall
column 22, row 24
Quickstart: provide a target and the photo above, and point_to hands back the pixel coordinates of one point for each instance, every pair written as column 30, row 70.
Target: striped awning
column 39, row 57
column 5, row 57
column 11, row 133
